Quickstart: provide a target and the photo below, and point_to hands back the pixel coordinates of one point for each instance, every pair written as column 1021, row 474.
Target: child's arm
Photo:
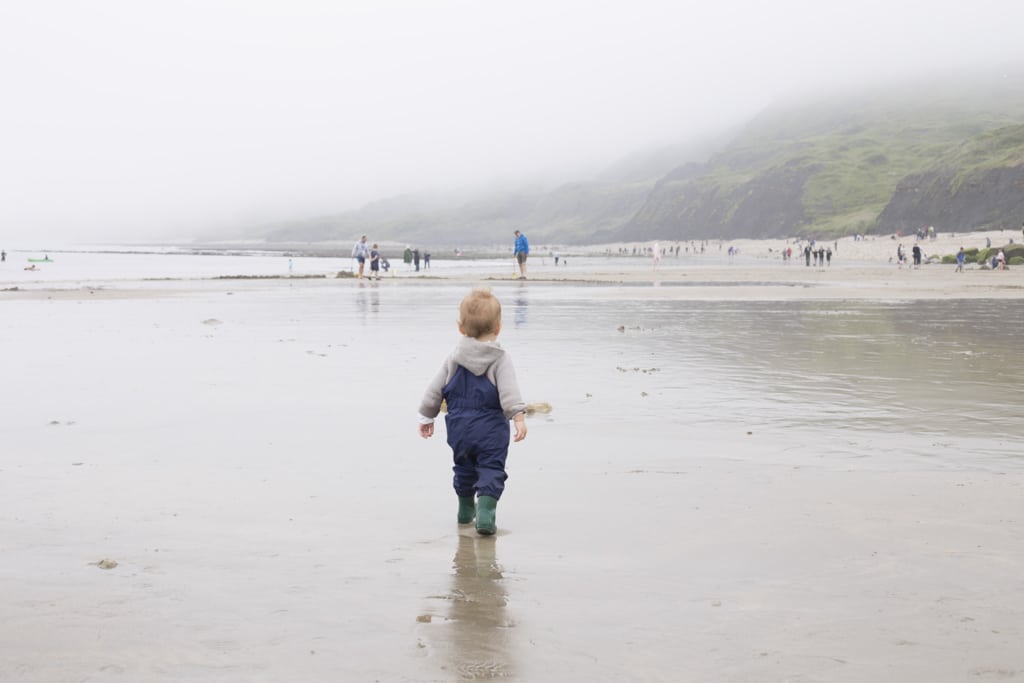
column 508, row 387
column 519, row 421
column 508, row 392
column 430, row 406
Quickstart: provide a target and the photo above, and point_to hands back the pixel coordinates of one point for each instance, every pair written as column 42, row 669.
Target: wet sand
column 742, row 280
column 246, row 453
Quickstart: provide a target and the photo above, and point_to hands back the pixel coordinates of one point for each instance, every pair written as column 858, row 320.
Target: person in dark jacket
column 478, row 383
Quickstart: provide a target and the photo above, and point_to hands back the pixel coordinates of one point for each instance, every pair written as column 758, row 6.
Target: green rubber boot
column 485, row 511
column 467, row 509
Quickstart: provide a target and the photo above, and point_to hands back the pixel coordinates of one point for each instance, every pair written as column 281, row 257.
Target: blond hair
column 480, row 313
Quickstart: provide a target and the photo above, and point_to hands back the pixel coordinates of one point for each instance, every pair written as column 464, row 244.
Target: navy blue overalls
column 478, row 433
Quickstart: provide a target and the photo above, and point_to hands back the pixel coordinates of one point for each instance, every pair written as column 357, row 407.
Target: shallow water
column 935, row 381
column 937, row 375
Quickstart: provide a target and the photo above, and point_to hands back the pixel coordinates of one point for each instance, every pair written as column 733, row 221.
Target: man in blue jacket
column 521, row 250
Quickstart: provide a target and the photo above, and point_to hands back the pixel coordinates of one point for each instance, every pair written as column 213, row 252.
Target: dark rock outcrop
column 684, row 205
column 989, row 199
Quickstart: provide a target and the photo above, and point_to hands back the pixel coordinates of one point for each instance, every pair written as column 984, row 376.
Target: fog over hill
column 451, row 119
column 944, row 151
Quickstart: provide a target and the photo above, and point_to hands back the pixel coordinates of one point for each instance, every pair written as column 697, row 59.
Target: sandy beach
column 864, row 268
column 752, row 471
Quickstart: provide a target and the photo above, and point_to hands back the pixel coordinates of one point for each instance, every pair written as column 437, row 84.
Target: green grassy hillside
column 851, row 153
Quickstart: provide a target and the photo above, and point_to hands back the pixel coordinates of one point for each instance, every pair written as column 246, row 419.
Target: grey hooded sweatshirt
column 480, row 358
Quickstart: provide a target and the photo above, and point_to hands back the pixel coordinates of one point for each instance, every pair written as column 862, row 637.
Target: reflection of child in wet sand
column 478, row 383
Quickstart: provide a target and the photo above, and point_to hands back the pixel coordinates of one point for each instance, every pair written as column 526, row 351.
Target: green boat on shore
column 41, row 260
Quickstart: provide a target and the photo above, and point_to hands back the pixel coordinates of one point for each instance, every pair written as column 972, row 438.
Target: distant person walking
column 407, row 256
column 917, row 256
column 426, row 260
column 361, row 252
column 416, row 259
column 521, row 249
column 960, row 258
column 3, row 255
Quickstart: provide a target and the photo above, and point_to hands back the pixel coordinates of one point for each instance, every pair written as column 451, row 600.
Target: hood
column 477, row 356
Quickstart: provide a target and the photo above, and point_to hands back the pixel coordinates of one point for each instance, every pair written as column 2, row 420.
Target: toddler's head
column 480, row 314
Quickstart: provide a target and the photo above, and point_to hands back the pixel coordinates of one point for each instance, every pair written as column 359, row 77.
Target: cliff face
column 688, row 205
column 992, row 198
column 946, row 153
column 774, row 204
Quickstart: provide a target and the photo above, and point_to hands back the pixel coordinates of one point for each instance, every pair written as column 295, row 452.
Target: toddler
column 478, row 383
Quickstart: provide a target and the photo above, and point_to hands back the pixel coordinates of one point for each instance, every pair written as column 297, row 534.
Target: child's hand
column 519, row 421
column 427, row 430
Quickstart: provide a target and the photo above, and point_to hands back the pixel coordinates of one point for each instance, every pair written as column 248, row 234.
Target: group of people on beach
column 901, row 255
column 363, row 253
column 411, row 257
column 659, row 251
column 999, row 261
column 820, row 255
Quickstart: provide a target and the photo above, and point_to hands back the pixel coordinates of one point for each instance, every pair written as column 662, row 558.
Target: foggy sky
column 131, row 119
